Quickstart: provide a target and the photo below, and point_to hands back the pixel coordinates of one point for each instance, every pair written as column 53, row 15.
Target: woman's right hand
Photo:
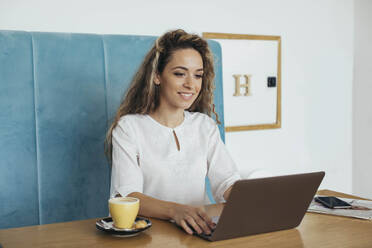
column 195, row 217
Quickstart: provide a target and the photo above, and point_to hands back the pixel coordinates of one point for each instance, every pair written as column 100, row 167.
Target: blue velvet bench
column 58, row 93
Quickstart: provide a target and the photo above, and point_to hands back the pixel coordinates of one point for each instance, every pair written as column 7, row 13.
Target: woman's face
column 181, row 80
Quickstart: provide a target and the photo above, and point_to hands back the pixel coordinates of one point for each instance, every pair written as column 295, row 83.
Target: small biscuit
column 140, row 224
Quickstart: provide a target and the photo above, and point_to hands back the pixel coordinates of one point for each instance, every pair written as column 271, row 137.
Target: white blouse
column 146, row 159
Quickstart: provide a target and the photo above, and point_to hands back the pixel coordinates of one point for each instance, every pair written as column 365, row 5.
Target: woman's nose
column 189, row 82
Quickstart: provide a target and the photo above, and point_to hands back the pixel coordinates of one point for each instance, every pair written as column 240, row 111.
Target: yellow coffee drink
column 124, row 211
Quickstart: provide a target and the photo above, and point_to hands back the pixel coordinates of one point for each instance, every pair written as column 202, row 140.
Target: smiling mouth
column 186, row 96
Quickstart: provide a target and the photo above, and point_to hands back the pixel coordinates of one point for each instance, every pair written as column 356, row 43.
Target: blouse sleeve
column 126, row 175
column 222, row 171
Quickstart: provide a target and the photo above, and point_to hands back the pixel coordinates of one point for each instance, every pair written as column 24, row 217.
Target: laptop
column 265, row 205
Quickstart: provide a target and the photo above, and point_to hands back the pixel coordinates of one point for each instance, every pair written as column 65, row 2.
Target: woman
column 163, row 142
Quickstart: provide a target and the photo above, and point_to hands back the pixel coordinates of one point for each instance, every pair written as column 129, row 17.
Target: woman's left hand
column 195, row 217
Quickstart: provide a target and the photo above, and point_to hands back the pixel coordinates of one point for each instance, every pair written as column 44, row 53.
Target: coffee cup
column 124, row 211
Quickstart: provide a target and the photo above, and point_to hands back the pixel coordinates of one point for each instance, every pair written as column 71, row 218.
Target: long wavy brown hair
column 142, row 96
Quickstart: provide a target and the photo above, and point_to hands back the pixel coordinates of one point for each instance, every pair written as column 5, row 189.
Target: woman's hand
column 195, row 217
column 185, row 216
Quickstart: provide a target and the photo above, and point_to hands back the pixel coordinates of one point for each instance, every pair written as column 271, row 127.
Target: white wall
column 316, row 128
column 362, row 104
column 317, row 57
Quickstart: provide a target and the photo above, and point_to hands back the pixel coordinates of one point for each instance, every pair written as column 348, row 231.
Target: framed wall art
column 251, row 80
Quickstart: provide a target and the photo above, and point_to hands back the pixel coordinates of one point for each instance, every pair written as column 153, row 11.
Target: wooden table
column 316, row 230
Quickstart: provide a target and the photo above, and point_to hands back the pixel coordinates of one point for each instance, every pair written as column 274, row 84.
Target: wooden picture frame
column 277, row 123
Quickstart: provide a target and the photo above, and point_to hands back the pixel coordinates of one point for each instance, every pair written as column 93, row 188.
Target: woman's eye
column 199, row 76
column 179, row 74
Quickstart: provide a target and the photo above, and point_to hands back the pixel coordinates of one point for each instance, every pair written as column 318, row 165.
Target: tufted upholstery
column 58, row 93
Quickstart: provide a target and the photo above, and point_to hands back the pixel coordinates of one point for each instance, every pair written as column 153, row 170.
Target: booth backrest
column 58, row 94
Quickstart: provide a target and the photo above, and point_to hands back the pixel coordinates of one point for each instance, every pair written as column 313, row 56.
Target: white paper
column 360, row 214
